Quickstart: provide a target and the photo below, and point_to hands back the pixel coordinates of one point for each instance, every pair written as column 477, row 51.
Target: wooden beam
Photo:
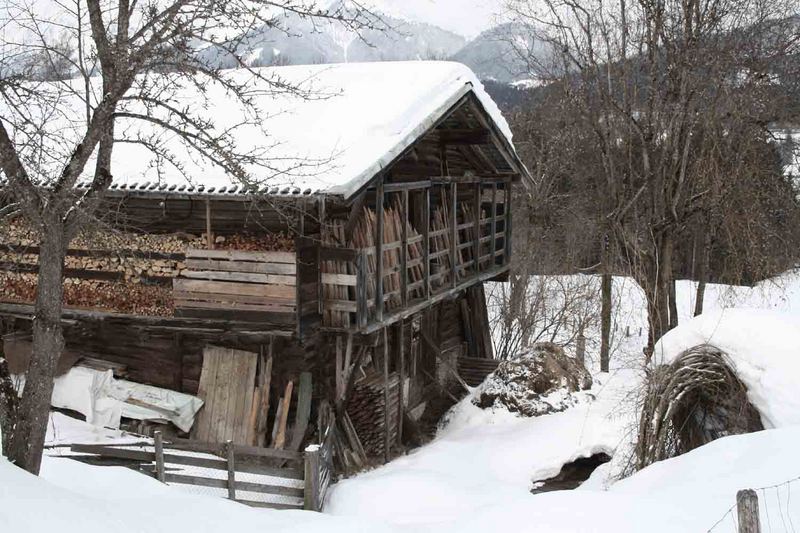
column 386, row 427
column 404, row 249
column 402, row 372
column 379, row 250
column 406, row 186
column 476, row 249
column 453, row 232
column 507, row 229
column 465, row 136
column 209, row 236
column 494, row 225
column 426, row 251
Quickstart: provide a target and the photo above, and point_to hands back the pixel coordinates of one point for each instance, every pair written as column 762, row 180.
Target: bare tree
column 647, row 77
column 126, row 59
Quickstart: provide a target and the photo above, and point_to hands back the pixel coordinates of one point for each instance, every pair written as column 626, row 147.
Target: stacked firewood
column 367, row 410
column 268, row 242
column 122, row 297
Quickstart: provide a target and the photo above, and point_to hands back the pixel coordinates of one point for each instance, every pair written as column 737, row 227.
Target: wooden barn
column 350, row 289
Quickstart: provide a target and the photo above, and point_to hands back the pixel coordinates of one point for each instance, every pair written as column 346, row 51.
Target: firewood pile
column 121, row 297
column 113, row 270
column 366, row 408
column 268, row 242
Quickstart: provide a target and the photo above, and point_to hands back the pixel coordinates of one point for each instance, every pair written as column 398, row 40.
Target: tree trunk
column 673, row 305
column 702, row 275
column 656, row 284
column 27, row 442
column 605, row 320
column 8, row 403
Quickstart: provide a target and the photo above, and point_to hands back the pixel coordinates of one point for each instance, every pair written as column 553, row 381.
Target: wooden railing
column 349, row 300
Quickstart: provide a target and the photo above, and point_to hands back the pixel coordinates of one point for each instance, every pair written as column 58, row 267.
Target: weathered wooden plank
column 222, row 287
column 271, row 505
column 200, row 481
column 239, row 255
column 303, row 411
column 239, row 298
column 246, row 277
column 234, row 306
column 339, row 279
column 240, row 266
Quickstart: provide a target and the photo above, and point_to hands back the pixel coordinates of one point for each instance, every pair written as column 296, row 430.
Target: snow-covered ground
column 477, row 474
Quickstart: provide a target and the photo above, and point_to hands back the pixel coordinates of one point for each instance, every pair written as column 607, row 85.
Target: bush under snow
column 539, row 381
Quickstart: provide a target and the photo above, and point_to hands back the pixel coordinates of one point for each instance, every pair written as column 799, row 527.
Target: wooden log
column 229, row 453
column 303, row 411
column 747, row 511
column 159, row 449
column 280, row 436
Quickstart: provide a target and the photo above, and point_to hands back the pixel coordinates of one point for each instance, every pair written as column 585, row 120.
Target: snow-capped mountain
column 497, row 54
column 310, row 42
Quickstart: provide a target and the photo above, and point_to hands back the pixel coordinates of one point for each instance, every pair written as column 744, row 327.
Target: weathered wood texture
column 168, row 461
column 227, row 283
column 474, row 370
column 226, row 388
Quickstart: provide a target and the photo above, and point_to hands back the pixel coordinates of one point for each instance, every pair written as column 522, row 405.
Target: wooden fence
column 277, row 479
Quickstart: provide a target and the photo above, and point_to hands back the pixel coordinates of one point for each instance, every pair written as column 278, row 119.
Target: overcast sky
column 466, row 17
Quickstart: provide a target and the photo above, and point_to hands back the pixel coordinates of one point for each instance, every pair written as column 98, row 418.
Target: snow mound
column 762, row 346
column 539, row 381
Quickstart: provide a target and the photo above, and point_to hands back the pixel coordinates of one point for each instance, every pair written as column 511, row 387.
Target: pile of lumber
column 364, row 237
column 121, row 297
column 367, row 407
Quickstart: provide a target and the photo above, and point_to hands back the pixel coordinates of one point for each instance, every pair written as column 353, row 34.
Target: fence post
column 311, row 493
column 229, row 452
column 580, row 350
column 747, row 509
column 159, row 445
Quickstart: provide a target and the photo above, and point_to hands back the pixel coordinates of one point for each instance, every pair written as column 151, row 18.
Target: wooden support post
column 404, row 250
column 426, row 238
column 386, row 417
column 580, row 350
column 362, row 307
column 159, row 446
column 476, row 246
column 209, row 235
column 379, row 250
column 401, row 347
column 507, row 214
column 339, row 371
column 229, row 453
column 493, row 260
column 311, row 490
column 454, row 233
column 747, row 510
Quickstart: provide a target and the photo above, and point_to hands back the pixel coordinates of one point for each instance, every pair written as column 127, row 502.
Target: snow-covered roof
column 359, row 118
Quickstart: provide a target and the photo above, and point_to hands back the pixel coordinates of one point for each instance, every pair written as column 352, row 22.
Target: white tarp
column 103, row 400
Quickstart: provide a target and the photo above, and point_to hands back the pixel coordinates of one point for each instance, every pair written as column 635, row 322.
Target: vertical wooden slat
column 311, row 490
column 159, row 445
column 386, row 428
column 229, row 453
column 402, row 370
column 493, row 260
column 404, row 250
column 209, row 236
column 426, row 238
column 507, row 213
column 476, row 245
column 453, row 232
column 379, row 250
column 362, row 309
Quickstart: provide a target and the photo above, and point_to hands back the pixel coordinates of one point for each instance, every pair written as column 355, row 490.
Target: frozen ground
column 477, row 474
